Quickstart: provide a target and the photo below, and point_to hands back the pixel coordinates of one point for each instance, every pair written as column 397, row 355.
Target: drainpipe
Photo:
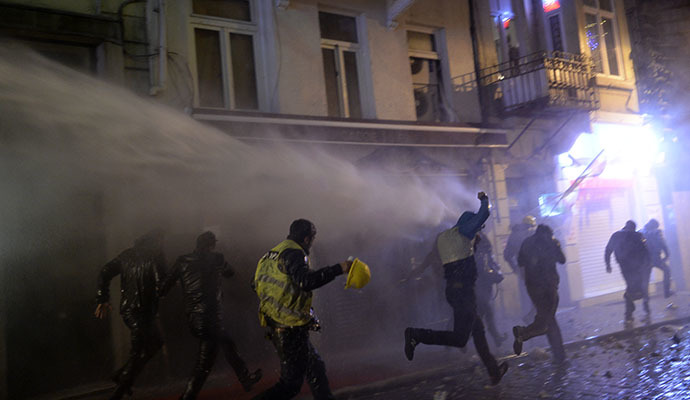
column 3, row 343
column 477, row 67
column 158, row 85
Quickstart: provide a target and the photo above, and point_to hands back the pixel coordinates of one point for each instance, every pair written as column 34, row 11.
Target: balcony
column 555, row 81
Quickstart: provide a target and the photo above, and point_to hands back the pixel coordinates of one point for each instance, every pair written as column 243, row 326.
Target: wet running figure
column 633, row 257
column 200, row 274
column 658, row 252
column 456, row 250
column 284, row 283
column 141, row 269
column 539, row 254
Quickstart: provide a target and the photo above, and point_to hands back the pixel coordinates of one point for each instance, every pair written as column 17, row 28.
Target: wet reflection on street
column 645, row 364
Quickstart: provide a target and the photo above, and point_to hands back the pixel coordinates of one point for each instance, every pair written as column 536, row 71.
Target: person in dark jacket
column 456, row 249
column 200, row 275
column 284, row 283
column 538, row 255
column 488, row 275
column 141, row 269
column 658, row 252
column 633, row 257
column 518, row 234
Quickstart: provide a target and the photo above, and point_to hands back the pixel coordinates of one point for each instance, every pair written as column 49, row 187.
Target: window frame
column 558, row 13
column 598, row 13
column 440, row 55
column 339, row 47
column 225, row 27
column 361, row 50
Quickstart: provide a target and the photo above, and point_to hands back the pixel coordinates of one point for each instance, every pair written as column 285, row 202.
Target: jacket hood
column 544, row 231
column 630, row 226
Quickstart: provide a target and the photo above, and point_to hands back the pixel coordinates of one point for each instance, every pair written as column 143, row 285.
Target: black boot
column 117, row 378
column 120, row 392
column 517, row 343
column 498, row 374
column 248, row 380
column 410, row 343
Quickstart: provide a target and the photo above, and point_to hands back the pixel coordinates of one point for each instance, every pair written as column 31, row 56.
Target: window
column 224, row 36
column 602, row 36
column 425, row 65
column 230, row 9
column 340, row 51
column 555, row 30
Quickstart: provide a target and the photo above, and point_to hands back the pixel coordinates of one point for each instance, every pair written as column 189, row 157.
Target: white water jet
column 155, row 165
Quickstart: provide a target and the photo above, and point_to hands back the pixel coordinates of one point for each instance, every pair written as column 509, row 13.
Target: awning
column 341, row 131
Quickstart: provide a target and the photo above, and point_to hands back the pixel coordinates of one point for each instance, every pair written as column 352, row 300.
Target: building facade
column 528, row 100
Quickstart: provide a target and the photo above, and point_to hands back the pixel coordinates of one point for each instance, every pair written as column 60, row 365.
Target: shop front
column 606, row 179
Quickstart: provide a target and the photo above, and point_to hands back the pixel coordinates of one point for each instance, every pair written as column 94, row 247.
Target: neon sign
column 506, row 19
column 550, row 5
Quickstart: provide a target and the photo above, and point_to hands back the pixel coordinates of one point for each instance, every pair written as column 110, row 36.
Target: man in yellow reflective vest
column 455, row 248
column 284, row 284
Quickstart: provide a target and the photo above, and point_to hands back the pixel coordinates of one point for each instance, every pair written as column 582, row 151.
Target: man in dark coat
column 633, row 257
column 538, row 256
column 200, row 274
column 658, row 252
column 141, row 269
column 518, row 234
column 456, row 249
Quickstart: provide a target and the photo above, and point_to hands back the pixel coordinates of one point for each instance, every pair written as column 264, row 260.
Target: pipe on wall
column 158, row 84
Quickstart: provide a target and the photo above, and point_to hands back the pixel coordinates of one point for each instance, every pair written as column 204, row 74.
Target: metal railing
column 555, row 80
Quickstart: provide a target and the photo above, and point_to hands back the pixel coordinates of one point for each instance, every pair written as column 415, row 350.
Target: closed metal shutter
column 597, row 220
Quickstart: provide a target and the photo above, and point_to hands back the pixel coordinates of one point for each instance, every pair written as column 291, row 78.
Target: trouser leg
column 645, row 277
column 667, row 278
column 460, row 296
column 232, row 355
column 482, row 346
column 292, row 346
column 629, row 304
column 553, row 334
column 208, row 348
column 146, row 341
column 631, row 289
column 526, row 304
column 545, row 311
column 316, row 376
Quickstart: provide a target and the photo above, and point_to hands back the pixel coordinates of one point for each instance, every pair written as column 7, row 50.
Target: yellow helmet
column 359, row 275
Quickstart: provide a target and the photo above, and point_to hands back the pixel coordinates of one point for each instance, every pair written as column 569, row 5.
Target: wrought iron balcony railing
column 555, row 80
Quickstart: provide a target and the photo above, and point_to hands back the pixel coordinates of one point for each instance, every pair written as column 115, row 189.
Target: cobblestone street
column 647, row 359
column 651, row 365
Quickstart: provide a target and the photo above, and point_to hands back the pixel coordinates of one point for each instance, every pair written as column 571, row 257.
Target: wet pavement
column 607, row 361
column 653, row 364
